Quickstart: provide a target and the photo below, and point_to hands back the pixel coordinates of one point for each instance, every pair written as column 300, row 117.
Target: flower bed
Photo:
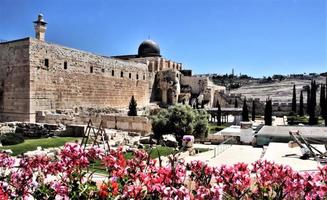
column 66, row 176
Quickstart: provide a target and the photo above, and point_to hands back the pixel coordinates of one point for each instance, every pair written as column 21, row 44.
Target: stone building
column 36, row 75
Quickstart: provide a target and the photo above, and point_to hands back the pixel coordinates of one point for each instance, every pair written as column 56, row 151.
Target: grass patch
column 213, row 127
column 294, row 120
column 98, row 167
column 32, row 144
column 164, row 151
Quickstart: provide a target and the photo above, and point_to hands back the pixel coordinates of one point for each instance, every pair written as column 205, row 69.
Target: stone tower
column 40, row 27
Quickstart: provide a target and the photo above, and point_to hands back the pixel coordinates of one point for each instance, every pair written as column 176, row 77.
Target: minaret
column 40, row 27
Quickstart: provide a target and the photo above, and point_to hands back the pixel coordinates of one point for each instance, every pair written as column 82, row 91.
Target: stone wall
column 198, row 84
column 204, row 87
column 211, row 92
column 126, row 123
column 14, row 80
column 169, row 85
column 63, row 78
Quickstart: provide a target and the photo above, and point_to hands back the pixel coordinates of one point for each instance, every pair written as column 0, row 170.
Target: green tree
column 218, row 114
column 201, row 124
column 308, row 99
column 161, row 124
column 301, row 109
column 312, row 104
column 268, row 113
column 322, row 101
column 245, row 111
column 253, row 110
column 236, row 103
column 326, row 111
column 180, row 120
column 132, row 107
column 294, row 100
column 325, row 104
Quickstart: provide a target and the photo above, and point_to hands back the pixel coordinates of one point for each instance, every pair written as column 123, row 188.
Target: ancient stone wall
column 198, row 84
column 169, row 85
column 126, row 123
column 204, row 87
column 63, row 78
column 211, row 92
column 14, row 80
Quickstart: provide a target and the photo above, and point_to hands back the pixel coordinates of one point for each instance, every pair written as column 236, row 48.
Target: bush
column 180, row 120
column 294, row 120
column 11, row 139
column 201, row 124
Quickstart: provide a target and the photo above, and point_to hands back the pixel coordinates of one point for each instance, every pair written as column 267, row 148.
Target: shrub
column 180, row 120
column 11, row 139
column 292, row 120
column 201, row 124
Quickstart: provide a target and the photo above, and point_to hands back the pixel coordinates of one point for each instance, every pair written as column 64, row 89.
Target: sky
column 253, row 37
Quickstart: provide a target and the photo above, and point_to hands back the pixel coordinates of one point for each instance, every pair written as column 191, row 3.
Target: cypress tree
column 294, row 100
column 325, row 103
column 301, row 109
column 218, row 114
column 322, row 101
column 325, row 99
column 314, row 94
column 245, row 111
column 236, row 103
column 326, row 111
column 313, row 103
column 132, row 107
column 268, row 113
column 308, row 99
column 253, row 110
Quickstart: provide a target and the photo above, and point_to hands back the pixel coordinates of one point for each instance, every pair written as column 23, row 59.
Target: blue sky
column 255, row 37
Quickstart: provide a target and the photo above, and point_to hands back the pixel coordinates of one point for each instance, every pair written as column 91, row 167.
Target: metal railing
column 223, row 146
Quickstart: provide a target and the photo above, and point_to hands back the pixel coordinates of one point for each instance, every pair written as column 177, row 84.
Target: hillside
column 280, row 91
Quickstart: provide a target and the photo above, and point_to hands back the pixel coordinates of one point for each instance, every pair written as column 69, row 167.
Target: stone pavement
column 228, row 154
column 282, row 154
